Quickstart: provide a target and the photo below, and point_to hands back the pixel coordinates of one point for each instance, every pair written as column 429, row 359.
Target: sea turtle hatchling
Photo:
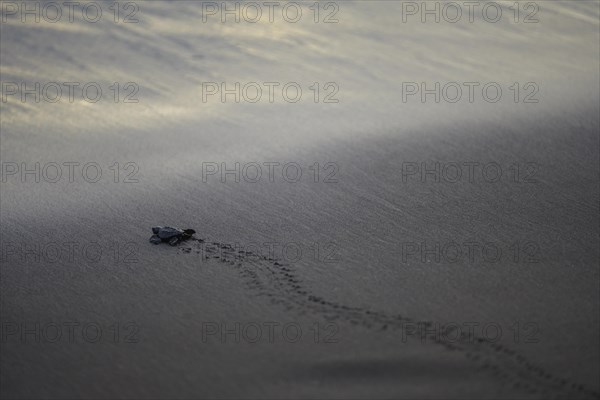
column 170, row 235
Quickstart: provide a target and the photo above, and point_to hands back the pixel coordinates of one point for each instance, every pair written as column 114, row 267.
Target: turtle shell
column 166, row 232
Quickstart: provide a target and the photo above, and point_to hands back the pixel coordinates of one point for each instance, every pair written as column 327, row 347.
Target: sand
column 331, row 268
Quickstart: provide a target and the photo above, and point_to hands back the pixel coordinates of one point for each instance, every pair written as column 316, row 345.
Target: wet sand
column 358, row 263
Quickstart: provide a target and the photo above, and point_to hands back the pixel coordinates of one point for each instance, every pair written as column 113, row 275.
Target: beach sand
column 349, row 274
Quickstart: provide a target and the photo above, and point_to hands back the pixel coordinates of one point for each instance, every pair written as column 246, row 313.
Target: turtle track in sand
column 279, row 282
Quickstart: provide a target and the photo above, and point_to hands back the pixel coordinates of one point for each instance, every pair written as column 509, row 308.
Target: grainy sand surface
column 348, row 276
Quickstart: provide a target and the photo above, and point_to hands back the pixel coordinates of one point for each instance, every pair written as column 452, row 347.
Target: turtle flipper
column 155, row 239
column 174, row 241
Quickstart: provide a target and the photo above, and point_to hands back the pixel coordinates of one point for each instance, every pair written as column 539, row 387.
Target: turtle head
column 155, row 229
column 188, row 232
